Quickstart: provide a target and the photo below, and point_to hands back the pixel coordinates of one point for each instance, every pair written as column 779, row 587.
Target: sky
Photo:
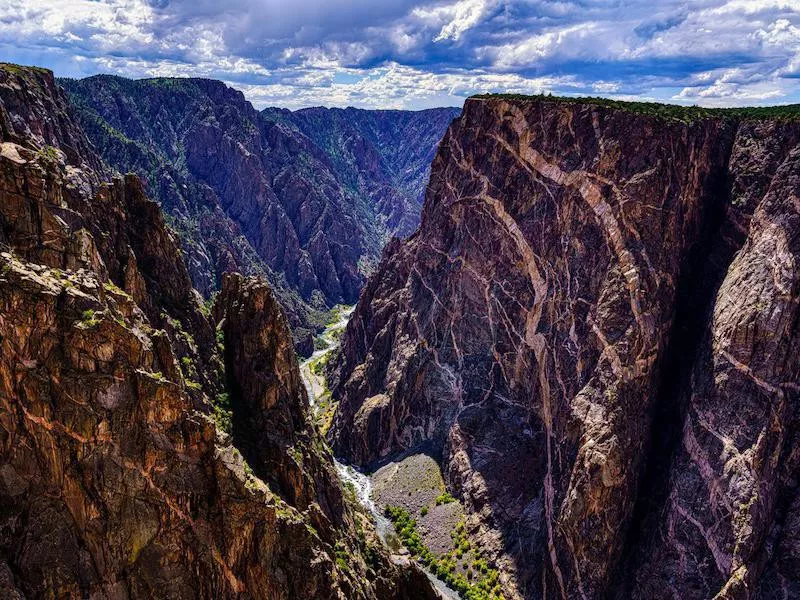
column 417, row 54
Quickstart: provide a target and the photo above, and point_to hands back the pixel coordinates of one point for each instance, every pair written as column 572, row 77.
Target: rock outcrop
column 597, row 324
column 120, row 473
column 271, row 422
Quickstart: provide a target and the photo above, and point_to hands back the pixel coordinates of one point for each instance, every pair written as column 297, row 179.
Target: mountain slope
column 125, row 471
column 384, row 156
column 605, row 301
column 257, row 192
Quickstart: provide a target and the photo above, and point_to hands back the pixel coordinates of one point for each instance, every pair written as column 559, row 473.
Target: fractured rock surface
column 597, row 323
column 303, row 198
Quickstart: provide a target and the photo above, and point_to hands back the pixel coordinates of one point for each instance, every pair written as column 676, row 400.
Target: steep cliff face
column 239, row 188
column 118, row 477
column 304, row 198
column 60, row 210
column 271, row 415
column 596, row 324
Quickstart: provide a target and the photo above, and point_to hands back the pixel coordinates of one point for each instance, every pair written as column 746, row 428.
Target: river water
column 315, row 385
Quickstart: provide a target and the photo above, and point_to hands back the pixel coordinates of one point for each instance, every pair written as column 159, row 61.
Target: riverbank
column 312, row 371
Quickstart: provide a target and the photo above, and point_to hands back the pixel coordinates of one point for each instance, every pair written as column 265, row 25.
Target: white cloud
column 463, row 15
column 734, row 86
column 419, row 52
column 591, row 39
column 398, row 86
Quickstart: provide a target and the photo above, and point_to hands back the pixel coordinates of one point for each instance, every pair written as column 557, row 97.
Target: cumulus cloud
column 460, row 17
column 398, row 86
column 417, row 53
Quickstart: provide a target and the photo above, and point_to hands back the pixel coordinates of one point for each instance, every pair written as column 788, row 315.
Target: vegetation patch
column 89, row 318
column 223, row 415
column 462, row 569
column 297, row 455
column 444, row 498
column 49, row 153
column 220, row 338
column 350, row 493
column 324, row 413
column 156, row 376
column 317, row 366
column 674, row 112
column 111, row 287
column 208, row 304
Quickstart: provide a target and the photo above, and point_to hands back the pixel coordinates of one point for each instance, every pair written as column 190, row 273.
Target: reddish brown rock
column 113, row 485
column 271, row 422
column 117, row 479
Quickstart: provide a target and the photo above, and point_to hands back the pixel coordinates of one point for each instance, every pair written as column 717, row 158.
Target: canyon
column 555, row 355
column 305, row 199
column 595, row 332
column 149, row 446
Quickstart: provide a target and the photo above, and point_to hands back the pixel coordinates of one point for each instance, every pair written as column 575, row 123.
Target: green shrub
column 89, row 318
column 49, row 153
column 220, row 337
column 686, row 114
column 223, row 414
column 444, row 498
column 485, row 588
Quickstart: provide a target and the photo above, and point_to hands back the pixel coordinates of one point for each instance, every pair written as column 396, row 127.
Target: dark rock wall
column 529, row 328
column 271, row 414
column 245, row 194
column 305, row 198
column 384, row 156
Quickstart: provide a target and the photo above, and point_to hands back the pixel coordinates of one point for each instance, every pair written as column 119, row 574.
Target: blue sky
column 418, row 54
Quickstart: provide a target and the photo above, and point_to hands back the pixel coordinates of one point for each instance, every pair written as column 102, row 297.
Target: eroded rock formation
column 117, row 477
column 597, row 324
column 271, row 414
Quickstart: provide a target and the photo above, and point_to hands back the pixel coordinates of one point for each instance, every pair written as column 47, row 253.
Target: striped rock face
column 596, row 325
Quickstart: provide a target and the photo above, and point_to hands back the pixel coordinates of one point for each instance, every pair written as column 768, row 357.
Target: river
column 315, row 385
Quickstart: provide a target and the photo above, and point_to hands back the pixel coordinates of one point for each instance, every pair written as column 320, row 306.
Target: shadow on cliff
column 702, row 274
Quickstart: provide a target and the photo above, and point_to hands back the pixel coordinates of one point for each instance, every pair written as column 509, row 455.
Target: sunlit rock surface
column 122, row 461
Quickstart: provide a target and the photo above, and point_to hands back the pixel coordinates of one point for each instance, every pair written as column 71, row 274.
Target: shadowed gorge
column 602, row 299
column 553, row 355
column 400, row 300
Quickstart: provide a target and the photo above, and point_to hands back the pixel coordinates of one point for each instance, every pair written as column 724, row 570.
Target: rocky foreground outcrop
column 598, row 324
column 126, row 469
column 271, row 415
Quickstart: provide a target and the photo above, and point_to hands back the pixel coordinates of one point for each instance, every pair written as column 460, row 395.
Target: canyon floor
column 412, row 483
